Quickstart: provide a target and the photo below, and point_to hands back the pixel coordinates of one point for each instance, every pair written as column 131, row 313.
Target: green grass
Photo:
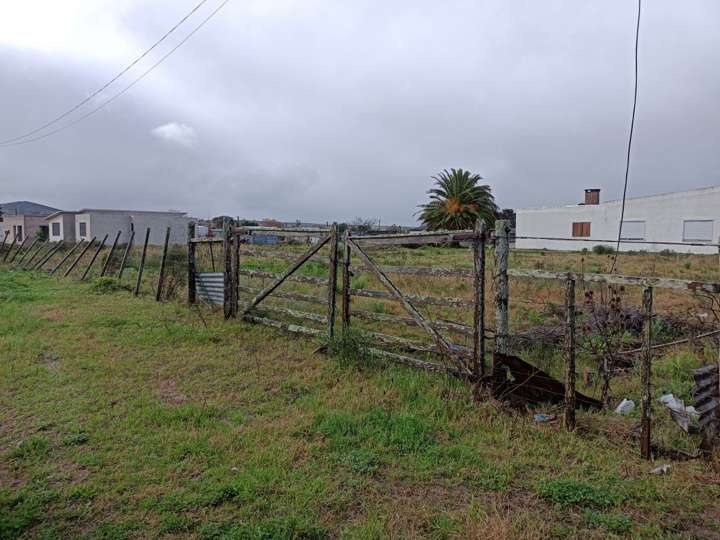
column 124, row 418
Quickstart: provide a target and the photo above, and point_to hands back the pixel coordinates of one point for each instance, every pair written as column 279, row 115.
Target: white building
column 686, row 218
column 92, row 222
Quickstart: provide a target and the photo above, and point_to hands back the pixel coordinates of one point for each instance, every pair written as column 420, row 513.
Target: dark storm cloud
column 327, row 110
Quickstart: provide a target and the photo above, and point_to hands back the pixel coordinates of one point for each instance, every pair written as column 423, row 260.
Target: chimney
column 592, row 196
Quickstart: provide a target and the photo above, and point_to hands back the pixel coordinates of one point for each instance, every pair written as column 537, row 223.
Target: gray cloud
column 326, row 110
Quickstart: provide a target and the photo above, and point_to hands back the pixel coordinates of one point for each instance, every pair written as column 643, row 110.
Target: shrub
column 351, row 348
column 107, row 285
column 601, row 249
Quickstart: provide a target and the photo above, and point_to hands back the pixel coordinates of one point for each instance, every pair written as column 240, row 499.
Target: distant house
column 24, row 219
column 61, row 226
column 95, row 222
column 688, row 219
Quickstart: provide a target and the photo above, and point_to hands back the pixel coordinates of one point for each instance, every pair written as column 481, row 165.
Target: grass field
column 124, row 418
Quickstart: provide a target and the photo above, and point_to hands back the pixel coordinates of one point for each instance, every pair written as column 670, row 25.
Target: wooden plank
column 80, row 256
column 56, row 247
column 141, row 267
column 346, row 282
column 645, row 400
column 66, row 257
column 126, row 253
column 435, row 237
column 212, row 256
column 415, row 298
column 109, row 257
column 332, row 281
column 205, row 240
column 569, row 419
column 280, row 255
column 479, row 301
column 95, row 255
column 236, row 275
column 24, row 255
column 414, row 362
column 443, row 345
column 274, row 275
column 613, row 279
column 421, row 271
column 191, row 269
column 163, row 262
column 409, row 321
column 283, row 231
column 288, row 327
column 19, row 249
column 293, row 313
column 277, row 282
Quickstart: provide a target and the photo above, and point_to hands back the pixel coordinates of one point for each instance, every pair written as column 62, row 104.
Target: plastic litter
column 662, row 469
column 542, row 417
column 626, row 406
column 680, row 413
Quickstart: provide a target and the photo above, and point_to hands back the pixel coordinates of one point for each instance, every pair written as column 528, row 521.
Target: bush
column 351, row 348
column 107, row 285
column 601, row 249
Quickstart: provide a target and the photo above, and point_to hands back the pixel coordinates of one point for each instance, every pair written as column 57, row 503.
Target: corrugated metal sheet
column 210, row 286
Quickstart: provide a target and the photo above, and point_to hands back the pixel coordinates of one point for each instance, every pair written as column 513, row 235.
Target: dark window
column 83, row 228
column 581, row 229
column 18, row 232
column 55, row 229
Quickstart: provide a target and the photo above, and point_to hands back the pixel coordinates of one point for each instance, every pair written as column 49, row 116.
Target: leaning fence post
column 479, row 300
column 24, row 255
column 163, row 262
column 136, row 292
column 48, row 256
column 346, row 281
column 570, row 354
column 500, row 277
column 124, row 259
column 41, row 250
column 92, row 261
column 645, row 404
column 65, row 258
column 109, row 257
column 191, row 263
column 12, row 245
column 332, row 282
column 227, row 270
column 19, row 249
column 2, row 245
column 80, row 256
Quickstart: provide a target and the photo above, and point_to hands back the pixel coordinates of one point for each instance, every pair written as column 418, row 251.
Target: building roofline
column 58, row 213
column 111, row 210
column 619, row 201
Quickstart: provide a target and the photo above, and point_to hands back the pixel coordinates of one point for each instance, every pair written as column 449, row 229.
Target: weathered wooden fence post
column 7, row 233
column 500, row 278
column 645, row 370
column 479, row 301
column 126, row 253
column 56, row 247
column 570, row 354
column 24, row 255
column 346, row 281
column 41, row 250
column 19, row 249
column 227, row 270
column 109, row 257
column 95, row 255
column 191, row 270
column 136, row 292
column 332, row 281
column 236, row 273
column 163, row 262
column 80, row 256
column 65, row 258
column 12, row 245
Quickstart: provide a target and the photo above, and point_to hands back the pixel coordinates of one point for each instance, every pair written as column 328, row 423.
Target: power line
column 630, row 138
column 128, row 87
column 104, row 86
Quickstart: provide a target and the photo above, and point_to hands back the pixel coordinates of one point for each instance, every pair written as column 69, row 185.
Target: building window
column 18, row 232
column 55, row 229
column 82, row 226
column 633, row 230
column 698, row 230
column 581, row 229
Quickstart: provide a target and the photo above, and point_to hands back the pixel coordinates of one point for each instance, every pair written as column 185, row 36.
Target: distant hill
column 27, row 208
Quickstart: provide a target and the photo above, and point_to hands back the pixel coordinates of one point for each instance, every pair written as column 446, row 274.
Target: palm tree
column 458, row 201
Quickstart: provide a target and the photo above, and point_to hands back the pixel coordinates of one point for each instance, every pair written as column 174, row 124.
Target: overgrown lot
column 124, row 418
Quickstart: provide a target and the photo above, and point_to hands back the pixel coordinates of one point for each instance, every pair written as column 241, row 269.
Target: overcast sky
column 326, row 110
